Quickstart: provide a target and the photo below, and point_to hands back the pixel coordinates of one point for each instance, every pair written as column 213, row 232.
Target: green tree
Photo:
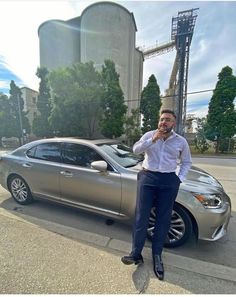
column 20, row 122
column 200, row 140
column 221, row 118
column 41, row 126
column 132, row 127
column 76, row 100
column 114, row 108
column 6, row 119
column 150, row 104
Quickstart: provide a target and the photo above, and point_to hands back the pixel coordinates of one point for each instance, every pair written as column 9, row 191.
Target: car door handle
column 26, row 165
column 66, row 173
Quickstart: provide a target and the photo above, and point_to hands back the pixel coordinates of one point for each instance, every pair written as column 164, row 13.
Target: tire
column 180, row 229
column 20, row 191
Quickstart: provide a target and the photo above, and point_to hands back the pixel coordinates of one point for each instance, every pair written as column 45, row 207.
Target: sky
column 213, row 44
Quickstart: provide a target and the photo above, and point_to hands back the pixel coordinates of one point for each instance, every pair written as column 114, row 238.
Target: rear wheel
column 20, row 191
column 180, row 228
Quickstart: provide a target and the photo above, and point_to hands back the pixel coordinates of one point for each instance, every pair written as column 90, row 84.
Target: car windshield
column 122, row 154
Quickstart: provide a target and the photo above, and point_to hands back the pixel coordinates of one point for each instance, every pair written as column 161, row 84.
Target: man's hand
column 160, row 133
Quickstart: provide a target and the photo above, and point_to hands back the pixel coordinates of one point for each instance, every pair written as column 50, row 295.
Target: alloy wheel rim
column 177, row 227
column 19, row 190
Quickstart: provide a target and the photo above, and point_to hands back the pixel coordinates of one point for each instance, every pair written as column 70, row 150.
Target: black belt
column 146, row 170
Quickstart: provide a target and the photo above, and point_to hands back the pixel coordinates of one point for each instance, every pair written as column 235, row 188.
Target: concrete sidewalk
column 56, row 259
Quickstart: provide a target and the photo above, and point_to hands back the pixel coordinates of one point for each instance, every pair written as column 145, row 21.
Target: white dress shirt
column 164, row 155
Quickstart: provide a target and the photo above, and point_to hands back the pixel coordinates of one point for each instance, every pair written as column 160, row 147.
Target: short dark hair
column 168, row 111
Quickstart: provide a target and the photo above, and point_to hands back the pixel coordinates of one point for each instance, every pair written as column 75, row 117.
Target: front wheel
column 180, row 227
column 20, row 191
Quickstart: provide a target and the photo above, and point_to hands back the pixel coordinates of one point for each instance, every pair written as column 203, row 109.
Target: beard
column 166, row 130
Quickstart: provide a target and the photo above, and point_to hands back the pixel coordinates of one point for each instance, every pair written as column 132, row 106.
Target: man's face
column 167, row 122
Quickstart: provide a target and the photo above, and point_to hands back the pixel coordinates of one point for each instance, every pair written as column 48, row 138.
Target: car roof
column 85, row 140
column 71, row 139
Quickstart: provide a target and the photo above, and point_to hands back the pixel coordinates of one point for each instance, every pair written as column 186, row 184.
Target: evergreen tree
column 6, row 119
column 221, row 118
column 41, row 126
column 150, row 104
column 114, row 108
column 20, row 122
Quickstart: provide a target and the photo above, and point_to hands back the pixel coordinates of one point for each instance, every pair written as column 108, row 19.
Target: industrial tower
column 181, row 36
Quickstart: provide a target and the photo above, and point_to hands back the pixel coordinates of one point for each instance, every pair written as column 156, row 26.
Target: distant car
column 101, row 176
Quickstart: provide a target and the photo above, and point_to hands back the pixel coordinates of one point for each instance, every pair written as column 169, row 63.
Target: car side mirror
column 99, row 165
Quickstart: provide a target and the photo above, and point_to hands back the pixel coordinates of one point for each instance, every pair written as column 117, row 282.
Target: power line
column 190, row 93
column 197, row 92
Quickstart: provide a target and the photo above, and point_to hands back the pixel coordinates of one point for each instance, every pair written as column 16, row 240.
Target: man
column 158, row 186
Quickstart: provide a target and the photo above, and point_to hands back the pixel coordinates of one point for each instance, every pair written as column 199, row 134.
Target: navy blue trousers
column 159, row 190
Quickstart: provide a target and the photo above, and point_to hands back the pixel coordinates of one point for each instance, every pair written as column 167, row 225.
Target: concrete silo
column 59, row 43
column 107, row 31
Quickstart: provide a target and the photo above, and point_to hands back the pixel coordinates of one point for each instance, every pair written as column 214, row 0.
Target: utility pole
column 20, row 120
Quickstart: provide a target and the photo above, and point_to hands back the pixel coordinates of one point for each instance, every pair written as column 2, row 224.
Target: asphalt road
column 224, row 170
column 222, row 251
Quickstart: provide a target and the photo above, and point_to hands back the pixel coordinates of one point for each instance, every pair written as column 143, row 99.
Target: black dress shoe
column 158, row 267
column 130, row 259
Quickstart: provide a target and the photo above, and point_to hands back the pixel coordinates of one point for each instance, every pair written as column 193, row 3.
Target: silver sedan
column 101, row 176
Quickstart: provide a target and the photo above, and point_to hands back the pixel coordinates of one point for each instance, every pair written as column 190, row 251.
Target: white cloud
column 4, row 84
column 199, row 51
column 199, row 113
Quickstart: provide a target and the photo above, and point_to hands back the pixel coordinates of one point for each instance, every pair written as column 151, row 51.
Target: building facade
column 105, row 30
column 30, row 98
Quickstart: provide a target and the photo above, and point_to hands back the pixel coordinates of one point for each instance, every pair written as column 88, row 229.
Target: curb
column 213, row 156
column 177, row 261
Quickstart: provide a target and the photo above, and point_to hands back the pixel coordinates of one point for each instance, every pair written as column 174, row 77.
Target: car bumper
column 214, row 225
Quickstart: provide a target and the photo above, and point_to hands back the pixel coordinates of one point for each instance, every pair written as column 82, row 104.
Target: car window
column 122, row 154
column 46, row 151
column 80, row 155
column 31, row 152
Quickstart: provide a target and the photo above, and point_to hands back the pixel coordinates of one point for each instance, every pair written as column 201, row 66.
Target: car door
column 42, row 168
column 86, row 186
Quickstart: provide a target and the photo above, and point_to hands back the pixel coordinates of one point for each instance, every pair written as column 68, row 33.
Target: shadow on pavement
column 141, row 278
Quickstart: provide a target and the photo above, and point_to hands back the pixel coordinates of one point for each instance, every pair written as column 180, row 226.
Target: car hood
column 196, row 180
column 199, row 175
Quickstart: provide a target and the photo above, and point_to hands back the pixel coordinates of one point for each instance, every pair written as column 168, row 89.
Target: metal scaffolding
column 181, row 36
column 158, row 50
column 182, row 32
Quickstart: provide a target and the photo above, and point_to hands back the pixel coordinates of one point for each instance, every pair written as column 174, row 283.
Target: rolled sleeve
column 143, row 144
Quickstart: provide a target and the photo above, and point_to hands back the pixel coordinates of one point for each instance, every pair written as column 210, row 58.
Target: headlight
column 209, row 200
